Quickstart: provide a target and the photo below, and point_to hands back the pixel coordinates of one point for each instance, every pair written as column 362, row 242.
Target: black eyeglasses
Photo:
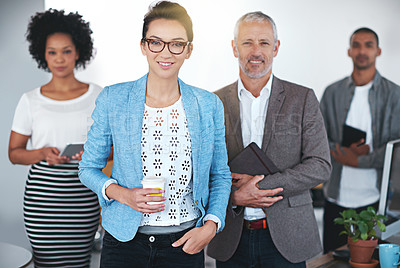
column 157, row 45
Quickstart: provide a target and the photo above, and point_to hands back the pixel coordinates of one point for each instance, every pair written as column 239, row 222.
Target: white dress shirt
column 253, row 112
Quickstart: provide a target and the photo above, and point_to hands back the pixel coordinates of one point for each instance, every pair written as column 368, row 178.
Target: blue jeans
column 147, row 251
column 256, row 249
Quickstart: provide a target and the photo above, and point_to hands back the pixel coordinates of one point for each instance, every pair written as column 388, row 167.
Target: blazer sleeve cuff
column 103, row 190
column 211, row 217
column 236, row 210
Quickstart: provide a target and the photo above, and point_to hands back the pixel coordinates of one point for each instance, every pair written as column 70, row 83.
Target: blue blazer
column 118, row 120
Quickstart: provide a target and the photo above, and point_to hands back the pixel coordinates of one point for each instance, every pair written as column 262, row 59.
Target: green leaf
column 349, row 213
column 381, row 218
column 372, row 210
column 350, row 222
column 363, row 227
column 364, row 236
column 338, row 221
column 381, row 226
column 343, row 233
column 366, row 215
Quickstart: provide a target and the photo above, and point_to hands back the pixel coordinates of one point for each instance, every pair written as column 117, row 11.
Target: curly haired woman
column 61, row 215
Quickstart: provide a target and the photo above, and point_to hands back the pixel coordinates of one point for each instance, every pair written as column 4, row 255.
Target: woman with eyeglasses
column 159, row 127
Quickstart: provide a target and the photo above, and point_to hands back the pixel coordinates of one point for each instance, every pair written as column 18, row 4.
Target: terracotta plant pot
column 362, row 250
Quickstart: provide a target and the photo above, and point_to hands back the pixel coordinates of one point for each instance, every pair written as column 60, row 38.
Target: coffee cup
column 154, row 182
column 389, row 255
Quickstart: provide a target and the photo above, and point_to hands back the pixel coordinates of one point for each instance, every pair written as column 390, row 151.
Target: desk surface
column 14, row 256
column 327, row 261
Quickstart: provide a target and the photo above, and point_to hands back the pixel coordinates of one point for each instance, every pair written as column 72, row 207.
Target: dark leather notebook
column 253, row 161
column 352, row 135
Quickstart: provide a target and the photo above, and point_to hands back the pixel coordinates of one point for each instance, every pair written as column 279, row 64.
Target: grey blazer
column 295, row 139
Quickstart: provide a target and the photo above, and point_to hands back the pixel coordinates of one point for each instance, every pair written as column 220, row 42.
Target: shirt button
column 152, row 239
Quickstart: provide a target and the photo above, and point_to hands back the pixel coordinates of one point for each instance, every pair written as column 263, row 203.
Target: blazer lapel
column 191, row 108
column 274, row 106
column 135, row 110
column 233, row 115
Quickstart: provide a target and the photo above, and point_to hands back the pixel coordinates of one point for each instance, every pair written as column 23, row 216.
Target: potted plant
column 360, row 229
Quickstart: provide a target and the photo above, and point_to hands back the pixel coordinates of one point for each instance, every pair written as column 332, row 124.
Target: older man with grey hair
column 270, row 219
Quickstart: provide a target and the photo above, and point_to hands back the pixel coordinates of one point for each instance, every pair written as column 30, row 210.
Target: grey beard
column 254, row 76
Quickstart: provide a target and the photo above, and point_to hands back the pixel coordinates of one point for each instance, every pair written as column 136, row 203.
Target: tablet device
column 352, row 135
column 71, row 149
column 252, row 161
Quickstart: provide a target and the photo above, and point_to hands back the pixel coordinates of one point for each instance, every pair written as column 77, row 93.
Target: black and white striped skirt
column 61, row 216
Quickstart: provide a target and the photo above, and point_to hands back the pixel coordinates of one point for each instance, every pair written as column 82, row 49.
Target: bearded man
column 370, row 103
column 270, row 219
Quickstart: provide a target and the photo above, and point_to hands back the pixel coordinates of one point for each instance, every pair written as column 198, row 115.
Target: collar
column 265, row 90
column 376, row 81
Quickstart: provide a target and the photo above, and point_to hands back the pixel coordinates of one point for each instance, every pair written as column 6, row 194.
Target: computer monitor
column 389, row 203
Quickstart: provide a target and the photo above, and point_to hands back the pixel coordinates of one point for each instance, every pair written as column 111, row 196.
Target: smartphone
column 71, row 149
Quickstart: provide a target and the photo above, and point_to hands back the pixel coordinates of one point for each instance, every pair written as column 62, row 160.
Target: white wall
column 18, row 73
column 314, row 38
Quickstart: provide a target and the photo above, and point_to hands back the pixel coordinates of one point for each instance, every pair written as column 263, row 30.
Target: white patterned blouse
column 166, row 152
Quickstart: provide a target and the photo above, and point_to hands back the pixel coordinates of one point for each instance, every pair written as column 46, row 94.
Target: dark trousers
column 256, row 249
column 145, row 251
column 331, row 238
